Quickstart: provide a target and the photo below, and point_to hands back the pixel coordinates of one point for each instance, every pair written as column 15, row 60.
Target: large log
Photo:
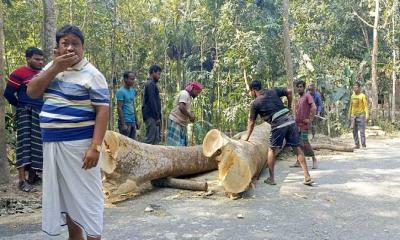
column 239, row 161
column 127, row 163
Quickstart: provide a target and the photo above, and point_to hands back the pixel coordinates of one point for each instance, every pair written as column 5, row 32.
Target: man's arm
column 289, row 96
column 182, row 108
column 313, row 111
column 38, row 85
column 250, row 128
column 91, row 157
column 121, row 115
column 9, row 94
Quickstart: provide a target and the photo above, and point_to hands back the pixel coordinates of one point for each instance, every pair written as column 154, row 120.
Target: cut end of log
column 109, row 152
column 234, row 173
column 213, row 141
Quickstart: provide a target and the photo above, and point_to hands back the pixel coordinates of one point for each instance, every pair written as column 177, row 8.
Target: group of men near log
column 62, row 113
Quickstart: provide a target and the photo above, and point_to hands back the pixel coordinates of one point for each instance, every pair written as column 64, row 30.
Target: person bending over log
column 269, row 106
column 181, row 116
column 305, row 112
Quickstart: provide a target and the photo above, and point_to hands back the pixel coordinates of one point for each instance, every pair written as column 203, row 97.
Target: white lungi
column 69, row 189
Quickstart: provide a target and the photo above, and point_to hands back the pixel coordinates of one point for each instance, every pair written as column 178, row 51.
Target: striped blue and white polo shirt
column 68, row 112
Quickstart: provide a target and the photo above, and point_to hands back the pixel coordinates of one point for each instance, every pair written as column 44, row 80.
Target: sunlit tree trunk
column 4, row 170
column 374, row 58
column 286, row 42
column 49, row 28
column 394, row 79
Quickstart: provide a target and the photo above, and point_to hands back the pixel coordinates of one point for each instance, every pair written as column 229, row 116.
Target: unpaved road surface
column 357, row 196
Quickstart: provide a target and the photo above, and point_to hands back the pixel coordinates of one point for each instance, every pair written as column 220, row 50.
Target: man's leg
column 271, row 166
column 355, row 133
column 302, row 161
column 74, row 231
column 362, row 125
column 151, row 131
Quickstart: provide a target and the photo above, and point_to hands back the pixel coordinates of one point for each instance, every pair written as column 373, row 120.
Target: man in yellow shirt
column 358, row 113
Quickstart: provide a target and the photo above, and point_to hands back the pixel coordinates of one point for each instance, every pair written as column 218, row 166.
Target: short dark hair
column 300, row 82
column 67, row 29
column 32, row 51
column 126, row 74
column 255, row 85
column 154, row 68
column 358, row 84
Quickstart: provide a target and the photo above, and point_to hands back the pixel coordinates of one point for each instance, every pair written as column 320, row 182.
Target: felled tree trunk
column 339, row 148
column 128, row 163
column 238, row 160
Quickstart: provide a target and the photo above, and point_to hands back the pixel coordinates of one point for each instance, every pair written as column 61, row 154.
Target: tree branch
column 356, row 14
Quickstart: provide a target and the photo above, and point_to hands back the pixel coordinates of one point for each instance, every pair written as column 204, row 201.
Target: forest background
column 223, row 44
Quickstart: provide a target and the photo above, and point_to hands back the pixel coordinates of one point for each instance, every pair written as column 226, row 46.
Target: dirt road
column 357, row 196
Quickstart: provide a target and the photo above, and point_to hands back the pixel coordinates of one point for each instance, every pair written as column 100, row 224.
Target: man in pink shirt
column 305, row 112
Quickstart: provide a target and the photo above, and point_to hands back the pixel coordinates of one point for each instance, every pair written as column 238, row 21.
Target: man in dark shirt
column 29, row 139
column 151, row 108
column 269, row 106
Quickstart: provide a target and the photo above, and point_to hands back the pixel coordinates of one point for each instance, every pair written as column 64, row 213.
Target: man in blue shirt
column 127, row 121
column 318, row 102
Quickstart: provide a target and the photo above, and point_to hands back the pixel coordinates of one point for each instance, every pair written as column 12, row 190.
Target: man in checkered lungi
column 29, row 139
column 181, row 116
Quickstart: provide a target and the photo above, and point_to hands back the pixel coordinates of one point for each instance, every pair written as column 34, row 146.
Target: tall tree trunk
column 113, row 73
column 4, row 170
column 394, row 79
column 286, row 42
column 374, row 58
column 49, row 28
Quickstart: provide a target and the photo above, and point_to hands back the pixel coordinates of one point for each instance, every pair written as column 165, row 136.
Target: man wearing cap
column 181, row 116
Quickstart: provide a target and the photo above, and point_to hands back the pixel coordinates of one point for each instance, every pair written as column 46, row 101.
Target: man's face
column 300, row 89
column 252, row 94
column 311, row 88
column 356, row 89
column 156, row 76
column 131, row 79
column 195, row 93
column 71, row 43
column 35, row 62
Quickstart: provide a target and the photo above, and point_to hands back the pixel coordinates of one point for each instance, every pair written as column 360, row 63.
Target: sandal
column 269, row 181
column 25, row 186
column 308, row 182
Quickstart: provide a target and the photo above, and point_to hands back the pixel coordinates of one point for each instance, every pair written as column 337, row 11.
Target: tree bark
column 180, row 184
column 239, row 161
column 128, row 163
column 286, row 43
column 49, row 28
column 394, row 79
column 4, row 168
column 374, row 58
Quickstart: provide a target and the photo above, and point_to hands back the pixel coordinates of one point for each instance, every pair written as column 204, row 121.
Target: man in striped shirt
column 29, row 140
column 73, row 121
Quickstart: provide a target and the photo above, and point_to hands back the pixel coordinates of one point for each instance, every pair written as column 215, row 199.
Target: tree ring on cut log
column 213, row 141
